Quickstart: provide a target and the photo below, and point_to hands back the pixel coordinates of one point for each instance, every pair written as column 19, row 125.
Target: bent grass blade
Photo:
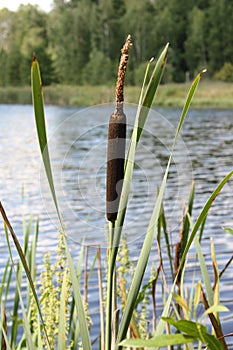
column 38, row 103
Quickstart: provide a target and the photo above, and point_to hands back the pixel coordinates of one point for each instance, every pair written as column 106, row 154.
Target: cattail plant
column 116, row 141
column 115, row 176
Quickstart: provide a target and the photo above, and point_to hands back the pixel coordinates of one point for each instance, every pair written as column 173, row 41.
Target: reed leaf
column 216, row 286
column 162, row 222
column 215, row 309
column 4, row 278
column 229, row 230
column 32, row 261
column 18, row 275
column 151, row 89
column 204, row 271
column 38, row 102
column 186, row 225
column 162, row 340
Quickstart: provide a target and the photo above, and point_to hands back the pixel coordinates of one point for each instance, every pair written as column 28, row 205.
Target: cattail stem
column 110, row 294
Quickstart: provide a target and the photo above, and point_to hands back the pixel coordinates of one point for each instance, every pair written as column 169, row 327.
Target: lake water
column 78, row 143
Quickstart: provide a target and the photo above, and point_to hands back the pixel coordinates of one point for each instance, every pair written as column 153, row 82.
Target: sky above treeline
column 13, row 5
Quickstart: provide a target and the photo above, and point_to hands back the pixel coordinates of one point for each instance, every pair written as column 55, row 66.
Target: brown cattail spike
column 116, row 141
column 122, row 70
column 115, row 165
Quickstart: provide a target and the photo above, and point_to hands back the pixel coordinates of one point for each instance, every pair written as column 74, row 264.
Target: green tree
column 220, row 34
column 69, row 33
column 225, row 73
column 3, row 71
column 139, row 21
column 79, row 34
column 6, row 19
column 33, row 37
column 13, row 76
column 25, row 33
column 171, row 25
column 98, row 70
column 113, row 35
column 195, row 45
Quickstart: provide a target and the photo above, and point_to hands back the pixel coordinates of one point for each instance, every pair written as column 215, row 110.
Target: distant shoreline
column 209, row 95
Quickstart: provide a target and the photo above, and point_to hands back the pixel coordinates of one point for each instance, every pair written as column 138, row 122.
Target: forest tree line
column 79, row 41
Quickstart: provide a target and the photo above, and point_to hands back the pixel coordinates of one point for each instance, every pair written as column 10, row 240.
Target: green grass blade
column 162, row 340
column 186, row 226
column 18, row 275
column 202, row 229
column 167, row 240
column 38, row 102
column 32, row 262
column 4, row 277
column 205, row 273
column 86, row 342
column 145, row 252
column 204, row 213
column 215, row 309
column 78, row 274
column 229, row 230
column 24, row 264
column 151, row 89
column 26, row 233
column 189, row 99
